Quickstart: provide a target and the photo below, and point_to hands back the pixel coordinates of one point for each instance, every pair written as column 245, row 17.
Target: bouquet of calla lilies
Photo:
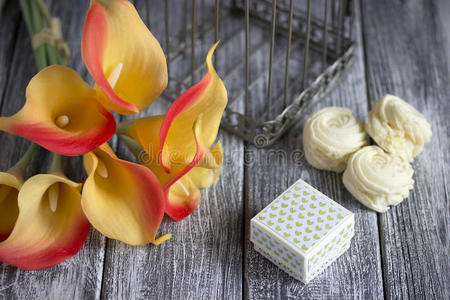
column 46, row 219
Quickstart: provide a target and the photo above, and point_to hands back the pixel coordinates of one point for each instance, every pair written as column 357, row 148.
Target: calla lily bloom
column 124, row 58
column 61, row 114
column 185, row 142
column 182, row 185
column 207, row 97
column 122, row 200
column 50, row 226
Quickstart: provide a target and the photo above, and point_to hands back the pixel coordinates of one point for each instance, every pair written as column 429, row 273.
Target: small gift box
column 302, row 231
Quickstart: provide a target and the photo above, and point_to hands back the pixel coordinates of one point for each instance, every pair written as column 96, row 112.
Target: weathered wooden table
column 403, row 48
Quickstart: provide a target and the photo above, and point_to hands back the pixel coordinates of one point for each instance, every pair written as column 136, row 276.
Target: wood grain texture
column 203, row 260
column 79, row 277
column 357, row 273
column 405, row 57
column 403, row 48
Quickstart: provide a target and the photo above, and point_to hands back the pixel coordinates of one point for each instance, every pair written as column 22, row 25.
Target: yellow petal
column 204, row 178
column 114, row 37
column 41, row 237
column 122, row 200
column 208, row 171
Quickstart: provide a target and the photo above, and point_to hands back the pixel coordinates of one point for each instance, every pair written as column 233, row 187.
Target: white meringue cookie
column 378, row 179
column 330, row 136
column 397, row 127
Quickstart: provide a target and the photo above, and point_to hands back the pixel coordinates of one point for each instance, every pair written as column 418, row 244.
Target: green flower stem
column 28, row 16
column 133, row 146
column 22, row 164
column 46, row 19
column 122, row 128
column 36, row 18
column 56, row 165
column 38, row 25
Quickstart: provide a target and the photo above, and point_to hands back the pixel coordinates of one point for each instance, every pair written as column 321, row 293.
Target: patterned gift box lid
column 303, row 217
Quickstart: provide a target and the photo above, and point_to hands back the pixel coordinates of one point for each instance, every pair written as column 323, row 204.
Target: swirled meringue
column 397, row 127
column 378, row 179
column 330, row 136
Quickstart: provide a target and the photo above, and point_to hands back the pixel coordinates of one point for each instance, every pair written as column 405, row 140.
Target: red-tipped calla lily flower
column 61, row 114
column 124, row 58
column 181, row 185
column 48, row 224
column 207, row 97
column 185, row 143
column 122, row 200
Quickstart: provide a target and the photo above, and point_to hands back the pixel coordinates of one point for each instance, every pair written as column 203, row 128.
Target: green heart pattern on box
column 284, row 257
column 281, row 264
column 302, row 231
column 302, row 216
column 337, row 244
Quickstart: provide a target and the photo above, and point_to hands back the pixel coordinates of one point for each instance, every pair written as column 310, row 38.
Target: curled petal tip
column 209, row 64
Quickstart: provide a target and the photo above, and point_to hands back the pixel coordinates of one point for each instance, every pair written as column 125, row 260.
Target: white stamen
column 62, row 121
column 53, row 195
column 115, row 74
column 102, row 170
column 183, row 187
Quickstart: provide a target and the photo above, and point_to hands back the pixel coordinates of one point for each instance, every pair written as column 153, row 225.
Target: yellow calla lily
column 50, row 226
column 185, row 142
column 10, row 185
column 124, row 58
column 182, row 184
column 61, row 114
column 122, row 200
column 207, row 97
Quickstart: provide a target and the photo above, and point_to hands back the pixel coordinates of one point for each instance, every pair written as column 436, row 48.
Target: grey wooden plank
column 406, row 56
column 443, row 13
column 79, row 277
column 355, row 275
column 9, row 24
column 203, row 260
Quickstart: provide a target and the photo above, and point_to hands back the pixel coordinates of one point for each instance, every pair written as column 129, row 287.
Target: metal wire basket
column 277, row 58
